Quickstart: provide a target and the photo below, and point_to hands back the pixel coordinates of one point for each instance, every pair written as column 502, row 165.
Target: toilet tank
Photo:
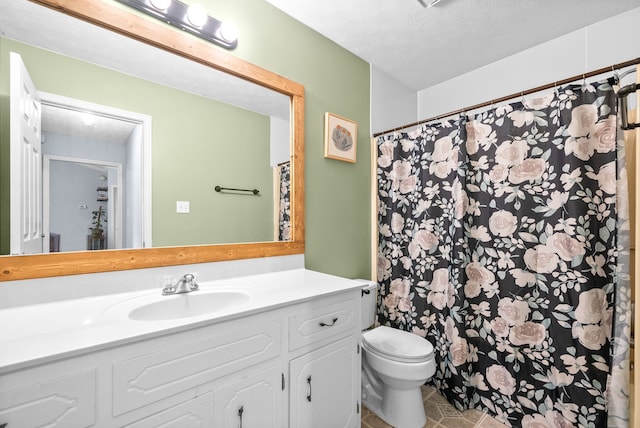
column 368, row 302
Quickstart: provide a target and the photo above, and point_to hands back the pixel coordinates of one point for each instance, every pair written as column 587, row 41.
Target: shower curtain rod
column 517, row 94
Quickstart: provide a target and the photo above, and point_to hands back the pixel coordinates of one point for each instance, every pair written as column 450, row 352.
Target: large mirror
column 251, row 120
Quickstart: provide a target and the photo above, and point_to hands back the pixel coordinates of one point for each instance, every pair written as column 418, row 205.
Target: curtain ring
column 523, row 100
column 616, row 76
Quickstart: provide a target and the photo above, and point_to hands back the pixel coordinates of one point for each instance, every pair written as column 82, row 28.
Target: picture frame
column 340, row 138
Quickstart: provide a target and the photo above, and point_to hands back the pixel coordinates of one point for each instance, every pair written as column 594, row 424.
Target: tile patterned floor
column 440, row 414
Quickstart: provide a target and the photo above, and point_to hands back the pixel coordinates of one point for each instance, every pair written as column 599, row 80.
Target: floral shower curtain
column 502, row 240
column 284, row 205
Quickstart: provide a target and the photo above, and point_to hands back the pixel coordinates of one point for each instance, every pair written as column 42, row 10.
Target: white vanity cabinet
column 289, row 365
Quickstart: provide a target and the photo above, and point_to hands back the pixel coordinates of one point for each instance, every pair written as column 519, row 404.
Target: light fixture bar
column 177, row 14
column 430, row 4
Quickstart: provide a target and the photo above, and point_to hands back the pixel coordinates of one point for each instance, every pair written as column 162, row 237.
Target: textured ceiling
column 63, row 121
column 421, row 47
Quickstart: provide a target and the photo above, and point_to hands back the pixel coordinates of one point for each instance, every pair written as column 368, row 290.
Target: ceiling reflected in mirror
column 82, row 124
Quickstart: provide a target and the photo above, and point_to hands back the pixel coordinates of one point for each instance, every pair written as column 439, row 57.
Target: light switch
column 182, row 207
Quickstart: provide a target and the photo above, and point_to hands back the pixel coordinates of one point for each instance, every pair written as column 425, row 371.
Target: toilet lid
column 397, row 344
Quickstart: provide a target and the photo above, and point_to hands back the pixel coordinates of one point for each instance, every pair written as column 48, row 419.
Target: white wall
column 72, row 194
column 599, row 45
column 392, row 103
column 82, row 148
column 280, row 131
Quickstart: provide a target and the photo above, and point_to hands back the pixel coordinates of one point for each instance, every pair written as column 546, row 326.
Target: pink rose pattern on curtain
column 498, row 242
column 284, row 206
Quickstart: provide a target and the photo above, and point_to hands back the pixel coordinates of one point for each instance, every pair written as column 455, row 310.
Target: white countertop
column 43, row 333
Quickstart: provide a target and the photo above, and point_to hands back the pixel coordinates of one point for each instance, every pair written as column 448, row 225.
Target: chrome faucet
column 186, row 284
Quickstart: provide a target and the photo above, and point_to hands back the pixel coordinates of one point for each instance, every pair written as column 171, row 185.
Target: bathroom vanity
column 276, row 350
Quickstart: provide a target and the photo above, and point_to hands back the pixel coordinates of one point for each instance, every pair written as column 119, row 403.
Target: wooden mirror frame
column 158, row 35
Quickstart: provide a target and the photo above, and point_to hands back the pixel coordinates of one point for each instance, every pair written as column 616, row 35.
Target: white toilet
column 395, row 364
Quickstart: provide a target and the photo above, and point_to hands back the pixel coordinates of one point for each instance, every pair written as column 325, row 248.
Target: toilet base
column 399, row 408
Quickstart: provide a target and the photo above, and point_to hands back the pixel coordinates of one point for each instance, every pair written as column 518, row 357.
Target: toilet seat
column 397, row 345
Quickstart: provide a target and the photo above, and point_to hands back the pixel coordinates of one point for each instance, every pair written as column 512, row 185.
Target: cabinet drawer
column 196, row 413
column 323, row 320
column 228, row 347
column 66, row 401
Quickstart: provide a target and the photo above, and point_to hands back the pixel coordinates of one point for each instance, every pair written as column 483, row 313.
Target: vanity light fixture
column 160, row 4
column 430, row 4
column 191, row 18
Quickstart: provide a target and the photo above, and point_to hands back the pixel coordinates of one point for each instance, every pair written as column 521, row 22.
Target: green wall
column 338, row 202
column 197, row 144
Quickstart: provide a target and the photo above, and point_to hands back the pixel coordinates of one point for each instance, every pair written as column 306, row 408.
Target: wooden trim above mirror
column 156, row 34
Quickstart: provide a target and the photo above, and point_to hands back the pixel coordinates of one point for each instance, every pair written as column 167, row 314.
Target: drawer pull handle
column 240, row 412
column 333, row 322
column 309, row 385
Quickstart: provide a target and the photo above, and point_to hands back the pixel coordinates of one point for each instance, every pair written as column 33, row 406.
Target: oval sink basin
column 178, row 306
column 187, row 305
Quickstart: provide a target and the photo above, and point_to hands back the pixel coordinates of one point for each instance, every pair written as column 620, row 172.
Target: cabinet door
column 253, row 401
column 325, row 385
column 66, row 401
column 195, row 413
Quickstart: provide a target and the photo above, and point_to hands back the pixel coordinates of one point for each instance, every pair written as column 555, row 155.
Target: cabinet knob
column 309, row 386
column 240, row 412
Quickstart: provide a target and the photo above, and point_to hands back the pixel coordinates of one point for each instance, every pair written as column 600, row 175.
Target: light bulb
column 228, row 31
column 88, row 118
column 160, row 4
column 197, row 15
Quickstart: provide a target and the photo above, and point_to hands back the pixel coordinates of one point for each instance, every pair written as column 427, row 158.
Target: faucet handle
column 168, row 286
column 168, row 289
column 190, row 279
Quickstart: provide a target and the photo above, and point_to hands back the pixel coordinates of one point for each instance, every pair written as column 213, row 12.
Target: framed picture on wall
column 340, row 138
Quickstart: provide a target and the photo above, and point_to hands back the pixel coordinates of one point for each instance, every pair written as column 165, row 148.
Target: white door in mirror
column 27, row 232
